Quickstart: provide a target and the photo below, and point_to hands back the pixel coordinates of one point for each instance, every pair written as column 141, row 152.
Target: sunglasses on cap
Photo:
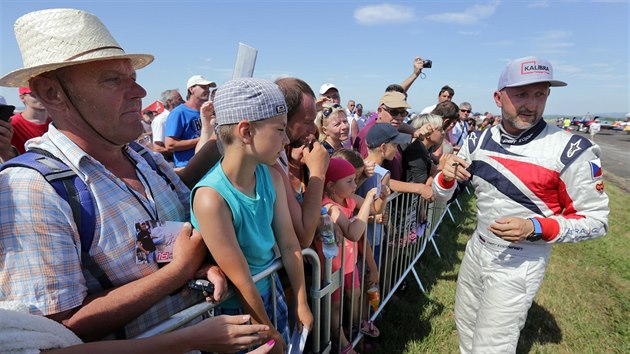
column 328, row 110
column 396, row 111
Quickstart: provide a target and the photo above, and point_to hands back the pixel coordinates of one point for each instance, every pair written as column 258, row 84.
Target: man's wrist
column 536, row 234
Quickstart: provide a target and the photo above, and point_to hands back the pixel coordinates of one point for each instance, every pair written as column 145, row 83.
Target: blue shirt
column 374, row 235
column 183, row 123
column 251, row 218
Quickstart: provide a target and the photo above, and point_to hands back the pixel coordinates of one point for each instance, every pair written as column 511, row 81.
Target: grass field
column 583, row 305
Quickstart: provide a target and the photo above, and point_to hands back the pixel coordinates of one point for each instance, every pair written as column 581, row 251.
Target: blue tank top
column 251, row 217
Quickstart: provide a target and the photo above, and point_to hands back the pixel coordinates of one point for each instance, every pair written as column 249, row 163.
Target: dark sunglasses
column 465, row 110
column 328, row 110
column 396, row 111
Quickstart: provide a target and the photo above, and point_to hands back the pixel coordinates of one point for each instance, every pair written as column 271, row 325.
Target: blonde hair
column 329, row 110
column 427, row 118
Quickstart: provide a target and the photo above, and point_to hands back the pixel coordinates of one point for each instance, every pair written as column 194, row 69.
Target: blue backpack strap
column 74, row 191
column 146, row 155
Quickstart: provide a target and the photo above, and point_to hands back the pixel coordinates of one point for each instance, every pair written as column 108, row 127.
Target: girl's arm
column 354, row 230
column 217, row 230
column 290, row 250
column 369, row 261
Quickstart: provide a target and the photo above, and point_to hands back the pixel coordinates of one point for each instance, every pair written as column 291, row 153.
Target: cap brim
column 20, row 77
column 552, row 83
column 401, row 139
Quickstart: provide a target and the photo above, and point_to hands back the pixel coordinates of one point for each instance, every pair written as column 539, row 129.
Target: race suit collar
column 524, row 137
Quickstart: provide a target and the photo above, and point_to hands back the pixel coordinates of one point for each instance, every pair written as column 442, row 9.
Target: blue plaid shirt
column 40, row 261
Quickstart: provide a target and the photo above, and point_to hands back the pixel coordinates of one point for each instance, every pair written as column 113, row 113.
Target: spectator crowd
column 247, row 165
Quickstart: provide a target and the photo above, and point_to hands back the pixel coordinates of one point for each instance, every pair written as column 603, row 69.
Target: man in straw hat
column 88, row 85
column 536, row 185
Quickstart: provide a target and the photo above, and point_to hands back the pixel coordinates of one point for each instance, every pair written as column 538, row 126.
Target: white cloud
column 502, row 43
column 539, row 4
column 553, row 42
column 384, row 13
column 469, row 16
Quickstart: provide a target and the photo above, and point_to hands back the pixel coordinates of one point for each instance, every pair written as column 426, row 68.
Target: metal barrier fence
column 409, row 224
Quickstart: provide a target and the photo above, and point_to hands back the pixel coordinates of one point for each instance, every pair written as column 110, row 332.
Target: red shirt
column 24, row 130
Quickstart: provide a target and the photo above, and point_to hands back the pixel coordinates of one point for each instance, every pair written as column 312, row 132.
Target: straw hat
column 56, row 38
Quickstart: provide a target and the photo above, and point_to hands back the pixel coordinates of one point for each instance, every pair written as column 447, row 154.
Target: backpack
column 74, row 191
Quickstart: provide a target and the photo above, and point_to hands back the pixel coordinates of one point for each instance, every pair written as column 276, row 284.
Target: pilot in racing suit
column 544, row 173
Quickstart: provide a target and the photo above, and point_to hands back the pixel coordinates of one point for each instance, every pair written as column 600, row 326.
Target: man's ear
column 497, row 98
column 48, row 91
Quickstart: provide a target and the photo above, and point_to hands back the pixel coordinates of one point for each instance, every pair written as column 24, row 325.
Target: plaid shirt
column 40, row 261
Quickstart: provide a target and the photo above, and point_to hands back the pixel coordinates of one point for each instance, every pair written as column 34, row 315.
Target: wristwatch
column 537, row 234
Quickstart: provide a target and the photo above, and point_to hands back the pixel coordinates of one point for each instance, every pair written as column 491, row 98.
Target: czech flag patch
column 596, row 168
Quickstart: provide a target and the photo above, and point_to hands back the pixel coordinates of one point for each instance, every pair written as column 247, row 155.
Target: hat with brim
column 56, row 38
column 394, row 99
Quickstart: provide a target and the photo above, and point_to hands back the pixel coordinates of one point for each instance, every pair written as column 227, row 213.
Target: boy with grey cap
column 536, row 185
column 240, row 205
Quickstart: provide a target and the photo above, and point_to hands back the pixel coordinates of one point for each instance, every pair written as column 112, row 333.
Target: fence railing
column 409, row 223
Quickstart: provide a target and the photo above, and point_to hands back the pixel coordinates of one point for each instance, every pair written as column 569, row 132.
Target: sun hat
column 339, row 168
column 394, row 99
column 526, row 71
column 325, row 87
column 383, row 133
column 198, row 80
column 248, row 99
column 56, row 38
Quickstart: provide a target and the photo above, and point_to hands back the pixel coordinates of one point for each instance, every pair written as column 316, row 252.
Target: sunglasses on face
column 465, row 110
column 396, row 111
column 328, row 110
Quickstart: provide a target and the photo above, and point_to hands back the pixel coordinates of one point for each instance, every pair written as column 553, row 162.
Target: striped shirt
column 40, row 250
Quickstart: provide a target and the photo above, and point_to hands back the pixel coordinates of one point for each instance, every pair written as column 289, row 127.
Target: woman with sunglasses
column 333, row 127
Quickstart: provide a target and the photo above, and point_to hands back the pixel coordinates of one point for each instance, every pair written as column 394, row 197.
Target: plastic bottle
column 374, row 297
column 327, row 232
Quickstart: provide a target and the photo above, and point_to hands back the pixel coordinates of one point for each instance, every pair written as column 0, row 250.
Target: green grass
column 583, row 305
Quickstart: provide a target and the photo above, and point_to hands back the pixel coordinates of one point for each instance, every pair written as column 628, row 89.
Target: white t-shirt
column 158, row 124
column 428, row 109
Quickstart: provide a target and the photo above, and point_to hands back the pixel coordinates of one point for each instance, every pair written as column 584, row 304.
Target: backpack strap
column 146, row 155
column 74, row 191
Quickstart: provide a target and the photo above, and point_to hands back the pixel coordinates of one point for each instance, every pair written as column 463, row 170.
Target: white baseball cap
column 526, row 71
column 325, row 87
column 198, row 80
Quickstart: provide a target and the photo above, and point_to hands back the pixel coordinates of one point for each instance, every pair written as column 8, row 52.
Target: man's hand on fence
column 425, row 191
column 512, row 229
column 215, row 275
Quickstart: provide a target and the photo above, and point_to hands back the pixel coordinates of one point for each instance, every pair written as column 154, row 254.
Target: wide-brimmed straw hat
column 56, row 38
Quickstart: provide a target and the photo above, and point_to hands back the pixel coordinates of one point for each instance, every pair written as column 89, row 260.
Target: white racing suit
column 545, row 173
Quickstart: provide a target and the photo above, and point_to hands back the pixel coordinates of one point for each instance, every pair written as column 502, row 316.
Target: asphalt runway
column 615, row 147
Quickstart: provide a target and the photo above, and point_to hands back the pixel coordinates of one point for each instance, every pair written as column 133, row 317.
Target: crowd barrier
column 409, row 224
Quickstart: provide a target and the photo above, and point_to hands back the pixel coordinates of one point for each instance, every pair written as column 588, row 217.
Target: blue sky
column 363, row 46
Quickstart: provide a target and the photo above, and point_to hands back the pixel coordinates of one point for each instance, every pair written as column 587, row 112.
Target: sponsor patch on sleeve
column 600, row 187
column 596, row 169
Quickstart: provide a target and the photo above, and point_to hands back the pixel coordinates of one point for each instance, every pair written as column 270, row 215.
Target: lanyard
column 151, row 210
